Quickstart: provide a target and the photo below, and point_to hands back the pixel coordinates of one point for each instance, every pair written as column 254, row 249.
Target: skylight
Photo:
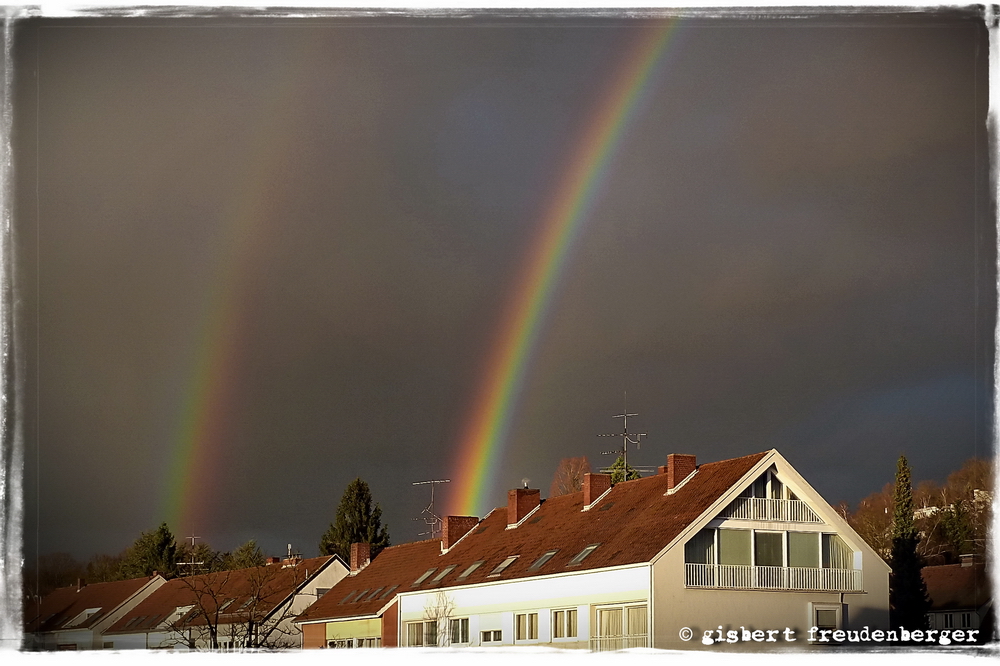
column 582, row 555
column 540, row 562
column 424, row 577
column 472, row 567
column 444, row 572
column 503, row 565
column 372, row 595
column 349, row 595
column 387, row 592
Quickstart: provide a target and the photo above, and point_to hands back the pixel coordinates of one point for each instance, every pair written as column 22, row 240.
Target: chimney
column 679, row 466
column 967, row 559
column 454, row 528
column 81, row 583
column 272, row 560
column 594, row 485
column 521, row 502
column 360, row 556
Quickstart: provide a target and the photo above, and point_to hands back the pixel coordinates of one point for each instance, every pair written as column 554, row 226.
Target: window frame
column 561, row 624
column 583, row 554
column 503, row 566
column 463, row 625
column 530, row 628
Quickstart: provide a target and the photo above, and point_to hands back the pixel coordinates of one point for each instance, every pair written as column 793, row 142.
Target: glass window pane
column 610, row 622
column 570, row 623
column 533, row 626
column 559, row 624
column 700, row 549
column 519, row 630
column 836, row 553
column 734, row 546
column 803, row 549
column 767, row 549
column 415, row 633
column 826, row 619
column 637, row 620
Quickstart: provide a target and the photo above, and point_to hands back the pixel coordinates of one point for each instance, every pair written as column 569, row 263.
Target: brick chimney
column 678, row 467
column 272, row 560
column 454, row 528
column 360, row 556
column 521, row 502
column 594, row 485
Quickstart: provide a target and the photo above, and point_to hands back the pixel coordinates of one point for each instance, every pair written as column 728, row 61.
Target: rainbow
column 485, row 434
column 197, row 446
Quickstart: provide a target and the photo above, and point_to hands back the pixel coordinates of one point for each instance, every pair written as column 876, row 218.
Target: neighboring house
column 961, row 597
column 738, row 543
column 229, row 609
column 75, row 617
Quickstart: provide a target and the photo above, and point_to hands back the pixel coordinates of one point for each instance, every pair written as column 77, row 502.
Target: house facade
column 961, row 598
column 667, row 561
column 251, row 607
column 76, row 617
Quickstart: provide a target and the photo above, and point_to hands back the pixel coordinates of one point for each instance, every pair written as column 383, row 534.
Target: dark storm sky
column 793, row 248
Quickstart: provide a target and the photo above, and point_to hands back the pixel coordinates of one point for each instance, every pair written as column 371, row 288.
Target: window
column 388, row 592
column 349, row 595
column 109, row 645
column 526, row 627
column 836, row 553
column 423, row 577
column 320, row 591
column 700, row 549
column 582, row 555
column 226, row 604
column 420, row 634
column 949, row 621
column 803, row 549
column 82, row 617
column 621, row 627
column 472, row 567
column 540, row 562
column 564, row 623
column 494, row 636
column 503, row 565
column 459, row 631
column 361, row 594
column 372, row 595
column 767, row 549
column 966, row 620
column 734, row 546
column 826, row 617
column 444, row 572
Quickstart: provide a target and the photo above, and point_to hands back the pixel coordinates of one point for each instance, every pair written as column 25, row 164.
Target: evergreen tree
column 359, row 520
column 908, row 600
column 957, row 528
column 621, row 471
column 246, row 556
column 152, row 551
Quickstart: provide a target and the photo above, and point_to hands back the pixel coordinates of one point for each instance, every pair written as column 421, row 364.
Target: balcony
column 773, row 510
column 611, row 643
column 745, row 577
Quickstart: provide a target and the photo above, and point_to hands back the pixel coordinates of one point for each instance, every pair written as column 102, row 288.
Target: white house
column 669, row 561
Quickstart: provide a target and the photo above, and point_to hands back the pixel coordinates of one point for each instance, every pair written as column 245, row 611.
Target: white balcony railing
column 609, row 643
column 742, row 576
column 778, row 510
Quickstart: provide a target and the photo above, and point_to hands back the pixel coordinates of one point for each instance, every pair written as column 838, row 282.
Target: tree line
column 358, row 518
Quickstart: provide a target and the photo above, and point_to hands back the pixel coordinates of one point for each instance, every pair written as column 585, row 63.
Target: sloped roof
column 253, row 592
column 632, row 523
column 66, row 603
column 953, row 586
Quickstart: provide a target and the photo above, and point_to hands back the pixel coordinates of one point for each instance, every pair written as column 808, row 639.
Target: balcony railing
column 742, row 576
column 609, row 643
column 778, row 510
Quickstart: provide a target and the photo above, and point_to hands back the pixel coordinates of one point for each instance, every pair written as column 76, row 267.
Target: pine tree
column 152, row 551
column 908, row 600
column 622, row 471
column 359, row 520
column 246, row 556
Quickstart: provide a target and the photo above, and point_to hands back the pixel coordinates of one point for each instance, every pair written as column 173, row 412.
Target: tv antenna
column 627, row 438
column 431, row 519
column 191, row 564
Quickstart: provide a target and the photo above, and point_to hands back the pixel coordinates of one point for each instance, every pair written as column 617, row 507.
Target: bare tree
column 437, row 612
column 569, row 476
column 873, row 521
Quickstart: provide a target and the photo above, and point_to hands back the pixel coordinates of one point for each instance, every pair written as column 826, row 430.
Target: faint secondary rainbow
column 196, row 476
column 485, row 435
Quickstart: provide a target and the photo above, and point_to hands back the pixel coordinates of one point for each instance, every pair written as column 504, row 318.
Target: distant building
column 961, row 597
column 75, row 617
column 656, row 562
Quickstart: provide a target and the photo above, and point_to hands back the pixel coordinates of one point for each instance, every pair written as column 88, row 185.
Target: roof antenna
column 192, row 563
column 626, row 440
column 428, row 516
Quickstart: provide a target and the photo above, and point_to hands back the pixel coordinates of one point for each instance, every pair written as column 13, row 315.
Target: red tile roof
column 66, row 603
column 632, row 523
column 260, row 588
column 953, row 586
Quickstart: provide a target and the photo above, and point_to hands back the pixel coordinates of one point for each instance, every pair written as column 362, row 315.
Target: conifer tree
column 622, row 471
column 359, row 520
column 908, row 600
column 152, row 551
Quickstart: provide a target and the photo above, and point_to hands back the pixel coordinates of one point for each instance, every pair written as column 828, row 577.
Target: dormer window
column 82, row 617
column 502, row 566
column 582, row 555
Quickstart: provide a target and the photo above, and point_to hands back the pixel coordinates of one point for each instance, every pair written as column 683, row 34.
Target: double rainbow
column 485, row 435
